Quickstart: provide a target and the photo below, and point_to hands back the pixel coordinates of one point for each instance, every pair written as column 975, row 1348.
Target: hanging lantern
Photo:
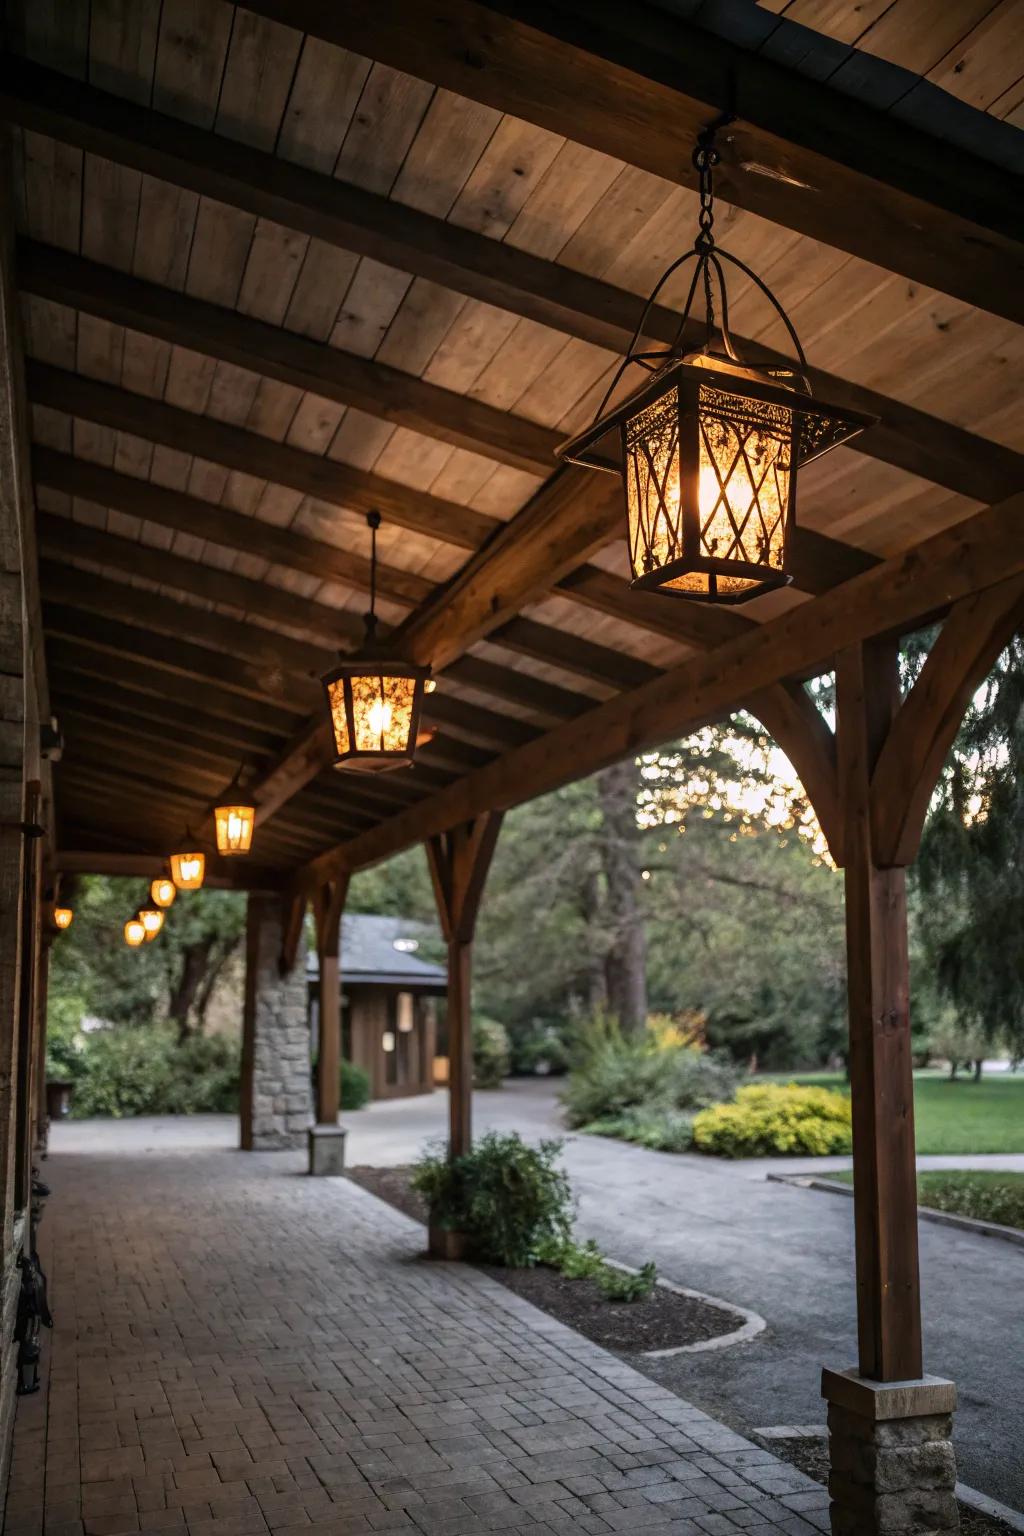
column 234, row 820
column 62, row 917
column 152, row 920
column 162, row 892
column 134, row 933
column 188, row 870
column 709, row 448
column 373, row 698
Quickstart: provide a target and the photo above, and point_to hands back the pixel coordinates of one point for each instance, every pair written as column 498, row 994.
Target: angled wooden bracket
column 791, row 716
column 328, row 905
column 459, row 861
column 924, row 729
column 293, row 915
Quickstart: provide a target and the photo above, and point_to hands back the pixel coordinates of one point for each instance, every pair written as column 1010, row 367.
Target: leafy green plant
column 146, row 1071
column 355, row 1086
column 509, row 1198
column 613, row 1073
column 539, row 1049
column 625, row 1285
column 491, row 1058
column 576, row 1261
column 662, row 1130
column 772, row 1118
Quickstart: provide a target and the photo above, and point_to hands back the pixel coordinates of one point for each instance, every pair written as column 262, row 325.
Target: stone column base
column 890, row 1448
column 327, row 1150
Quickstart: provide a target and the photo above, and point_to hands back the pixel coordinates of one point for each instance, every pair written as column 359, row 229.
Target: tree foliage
column 970, row 872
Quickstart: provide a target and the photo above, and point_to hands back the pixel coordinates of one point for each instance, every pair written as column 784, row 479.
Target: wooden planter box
column 443, row 1243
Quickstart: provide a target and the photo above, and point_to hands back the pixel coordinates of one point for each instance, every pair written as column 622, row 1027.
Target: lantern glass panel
column 162, row 892
column 152, row 920
column 339, row 715
column 382, row 712
column 188, row 870
column 62, row 916
column 234, row 824
column 134, row 933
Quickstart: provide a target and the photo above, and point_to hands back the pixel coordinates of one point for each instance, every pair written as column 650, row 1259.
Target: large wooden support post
column 459, row 861
column 326, row 1138
column 881, row 1066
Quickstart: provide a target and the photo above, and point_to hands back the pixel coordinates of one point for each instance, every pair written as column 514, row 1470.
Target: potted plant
column 500, row 1202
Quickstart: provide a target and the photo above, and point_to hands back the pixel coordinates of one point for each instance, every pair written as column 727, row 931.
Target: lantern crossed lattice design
column 709, row 448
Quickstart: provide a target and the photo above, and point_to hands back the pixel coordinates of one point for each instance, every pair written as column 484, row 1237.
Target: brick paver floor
column 239, row 1348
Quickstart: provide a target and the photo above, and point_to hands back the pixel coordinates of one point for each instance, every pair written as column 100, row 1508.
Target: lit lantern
column 374, row 699
column 162, row 892
column 234, row 824
column 152, row 920
column 187, row 870
column 134, row 933
column 62, row 917
column 709, row 448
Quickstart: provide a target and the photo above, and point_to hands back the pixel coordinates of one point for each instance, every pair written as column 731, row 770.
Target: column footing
column 327, row 1150
column 892, row 1469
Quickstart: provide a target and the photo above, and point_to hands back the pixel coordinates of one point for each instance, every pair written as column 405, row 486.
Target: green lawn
column 986, row 1195
column 954, row 1117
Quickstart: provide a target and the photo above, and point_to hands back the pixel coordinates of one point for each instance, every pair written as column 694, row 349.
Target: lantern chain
column 373, row 523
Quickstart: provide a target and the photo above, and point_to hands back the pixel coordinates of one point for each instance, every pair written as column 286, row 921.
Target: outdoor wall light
column 234, row 820
column 62, row 917
column 188, row 870
column 152, row 920
column 134, row 933
column 162, row 892
column 373, row 698
column 709, row 447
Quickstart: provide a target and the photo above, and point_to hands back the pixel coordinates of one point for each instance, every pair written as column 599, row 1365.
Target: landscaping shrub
column 539, row 1050
column 355, row 1086
column 585, row 1261
column 773, row 1118
column 613, row 1072
column 986, row 1196
column 145, row 1071
column 509, row 1198
column 663, row 1130
column 490, row 1053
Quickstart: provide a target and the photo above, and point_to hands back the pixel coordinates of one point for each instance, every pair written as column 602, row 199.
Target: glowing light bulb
column 380, row 717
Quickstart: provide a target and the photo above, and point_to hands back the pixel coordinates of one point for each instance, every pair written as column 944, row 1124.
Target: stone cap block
column 882, row 1400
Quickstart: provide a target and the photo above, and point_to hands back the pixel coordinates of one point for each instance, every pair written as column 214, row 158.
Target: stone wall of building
column 277, row 1099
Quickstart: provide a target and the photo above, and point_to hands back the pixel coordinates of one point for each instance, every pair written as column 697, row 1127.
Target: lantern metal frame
column 232, row 803
column 190, row 853
column 374, row 662
column 746, row 400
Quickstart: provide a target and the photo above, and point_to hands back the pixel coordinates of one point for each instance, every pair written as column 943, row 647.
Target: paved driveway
column 784, row 1252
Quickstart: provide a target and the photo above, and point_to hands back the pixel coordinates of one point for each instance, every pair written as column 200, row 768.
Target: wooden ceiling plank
column 492, row 271
column 638, row 84
column 267, row 350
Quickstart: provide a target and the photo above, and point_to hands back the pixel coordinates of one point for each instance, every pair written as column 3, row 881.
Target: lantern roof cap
column 599, row 446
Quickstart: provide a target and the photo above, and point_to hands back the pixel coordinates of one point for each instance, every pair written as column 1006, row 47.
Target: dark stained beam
column 976, row 554
column 638, row 83
column 397, row 397
column 492, row 271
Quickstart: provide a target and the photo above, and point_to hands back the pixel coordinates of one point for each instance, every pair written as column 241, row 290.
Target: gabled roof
column 369, row 955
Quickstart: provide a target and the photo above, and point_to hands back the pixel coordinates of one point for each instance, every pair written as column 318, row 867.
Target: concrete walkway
column 781, row 1251
column 242, row 1350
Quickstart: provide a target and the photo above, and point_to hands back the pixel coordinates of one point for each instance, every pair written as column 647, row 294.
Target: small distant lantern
column 152, row 920
column 373, row 698
column 162, row 892
column 709, row 448
column 188, row 870
column 234, row 819
column 62, row 917
column 134, row 933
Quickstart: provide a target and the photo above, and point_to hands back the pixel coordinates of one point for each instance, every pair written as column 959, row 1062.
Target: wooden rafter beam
column 182, row 513
column 638, row 83
column 230, row 337
column 71, row 859
column 976, row 554
column 489, row 270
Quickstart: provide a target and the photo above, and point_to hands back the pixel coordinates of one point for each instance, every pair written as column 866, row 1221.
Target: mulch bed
column 664, row 1320
column 811, row 1457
